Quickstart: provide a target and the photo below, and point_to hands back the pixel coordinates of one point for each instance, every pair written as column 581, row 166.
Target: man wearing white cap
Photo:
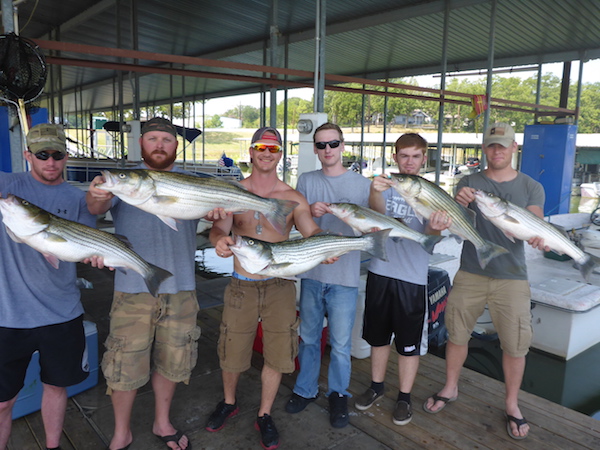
column 502, row 285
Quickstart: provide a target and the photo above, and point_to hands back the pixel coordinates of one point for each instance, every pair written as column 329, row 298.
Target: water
column 209, row 265
column 574, row 383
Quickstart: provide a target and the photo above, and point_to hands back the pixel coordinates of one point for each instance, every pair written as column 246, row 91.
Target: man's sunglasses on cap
column 44, row 155
column 332, row 144
column 273, row 148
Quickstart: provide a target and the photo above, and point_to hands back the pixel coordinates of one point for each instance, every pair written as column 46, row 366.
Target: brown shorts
column 273, row 301
column 509, row 303
column 146, row 330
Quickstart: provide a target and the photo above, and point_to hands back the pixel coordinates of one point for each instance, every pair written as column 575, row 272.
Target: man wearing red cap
column 250, row 297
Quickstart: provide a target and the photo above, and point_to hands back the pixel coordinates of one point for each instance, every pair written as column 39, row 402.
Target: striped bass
column 426, row 197
column 61, row 239
column 172, row 195
column 366, row 220
column 289, row 258
column 520, row 223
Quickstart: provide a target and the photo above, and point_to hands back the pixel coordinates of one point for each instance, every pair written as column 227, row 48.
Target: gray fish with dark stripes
column 171, row 196
column 61, row 239
column 426, row 197
column 365, row 220
column 520, row 223
column 289, row 258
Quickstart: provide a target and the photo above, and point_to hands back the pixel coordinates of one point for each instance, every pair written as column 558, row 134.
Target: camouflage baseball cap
column 159, row 124
column 47, row 136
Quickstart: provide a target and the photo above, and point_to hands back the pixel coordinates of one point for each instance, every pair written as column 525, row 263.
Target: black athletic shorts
column 398, row 307
column 63, row 355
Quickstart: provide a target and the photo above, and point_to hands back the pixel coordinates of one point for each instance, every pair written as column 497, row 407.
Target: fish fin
column 396, row 239
column 124, row 240
column 155, row 277
column 13, row 236
column 52, row 260
column 510, row 219
column 430, row 241
column 54, row 237
column 457, row 238
column 509, row 236
column 169, row 221
column 278, row 216
column 378, row 243
column 488, row 252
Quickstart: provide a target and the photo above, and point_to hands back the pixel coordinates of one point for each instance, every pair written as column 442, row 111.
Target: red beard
column 155, row 163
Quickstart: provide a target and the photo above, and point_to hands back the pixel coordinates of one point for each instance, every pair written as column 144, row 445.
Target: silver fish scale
column 104, row 244
column 207, row 191
column 303, row 250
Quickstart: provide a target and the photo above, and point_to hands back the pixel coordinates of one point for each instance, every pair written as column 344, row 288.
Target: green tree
column 213, row 122
column 249, row 115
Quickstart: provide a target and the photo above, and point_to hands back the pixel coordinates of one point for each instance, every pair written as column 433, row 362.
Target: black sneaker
column 366, row 399
column 338, row 410
column 222, row 412
column 269, row 437
column 297, row 403
column 402, row 413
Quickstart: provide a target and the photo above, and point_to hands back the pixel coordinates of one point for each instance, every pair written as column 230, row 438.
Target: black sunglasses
column 44, row 155
column 332, row 144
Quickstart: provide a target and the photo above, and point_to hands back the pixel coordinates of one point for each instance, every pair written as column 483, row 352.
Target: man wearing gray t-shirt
column 329, row 289
column 502, row 285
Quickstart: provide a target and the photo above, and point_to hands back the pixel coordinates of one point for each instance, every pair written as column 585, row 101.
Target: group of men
column 155, row 338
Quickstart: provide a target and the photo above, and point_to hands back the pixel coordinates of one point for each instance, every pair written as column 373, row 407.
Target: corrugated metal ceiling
column 370, row 39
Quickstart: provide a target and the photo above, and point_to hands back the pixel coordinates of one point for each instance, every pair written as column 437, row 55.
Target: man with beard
column 150, row 331
column 40, row 307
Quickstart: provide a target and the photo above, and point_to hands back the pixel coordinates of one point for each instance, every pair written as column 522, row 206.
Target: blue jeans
column 339, row 302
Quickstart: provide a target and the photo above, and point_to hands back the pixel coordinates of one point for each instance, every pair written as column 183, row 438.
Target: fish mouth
column 109, row 180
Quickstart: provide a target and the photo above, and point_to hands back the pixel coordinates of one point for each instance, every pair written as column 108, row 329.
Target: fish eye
column 121, row 175
column 25, row 203
column 250, row 242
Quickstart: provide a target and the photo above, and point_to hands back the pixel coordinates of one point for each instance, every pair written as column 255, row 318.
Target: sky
column 591, row 74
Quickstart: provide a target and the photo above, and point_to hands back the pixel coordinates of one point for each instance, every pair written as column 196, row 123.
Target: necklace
column 259, row 227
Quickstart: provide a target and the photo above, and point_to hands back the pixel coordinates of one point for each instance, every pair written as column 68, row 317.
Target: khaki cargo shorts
column 151, row 333
column 274, row 302
column 509, row 303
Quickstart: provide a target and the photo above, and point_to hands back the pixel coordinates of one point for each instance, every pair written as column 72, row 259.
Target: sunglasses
column 43, row 156
column 332, row 144
column 263, row 147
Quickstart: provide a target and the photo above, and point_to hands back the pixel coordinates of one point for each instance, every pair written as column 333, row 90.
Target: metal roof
column 369, row 39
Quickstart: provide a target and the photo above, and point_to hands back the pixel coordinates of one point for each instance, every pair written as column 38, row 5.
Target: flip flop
column 174, row 438
column 438, row 398
column 518, row 422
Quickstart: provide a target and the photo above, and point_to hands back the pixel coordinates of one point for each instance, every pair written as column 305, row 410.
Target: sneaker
column 402, row 413
column 366, row 400
column 269, row 437
column 297, row 403
column 222, row 412
column 338, row 410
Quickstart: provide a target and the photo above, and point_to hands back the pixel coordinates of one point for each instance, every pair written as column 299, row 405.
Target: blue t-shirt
column 407, row 260
column 158, row 244
column 32, row 292
column 350, row 187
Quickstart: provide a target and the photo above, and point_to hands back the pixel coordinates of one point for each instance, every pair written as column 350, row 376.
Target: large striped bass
column 365, row 220
column 289, row 258
column 61, row 239
column 172, row 195
column 520, row 223
column 426, row 197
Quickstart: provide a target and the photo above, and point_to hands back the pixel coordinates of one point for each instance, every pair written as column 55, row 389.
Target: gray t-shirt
column 32, row 292
column 523, row 191
column 158, row 244
column 349, row 187
column 407, row 261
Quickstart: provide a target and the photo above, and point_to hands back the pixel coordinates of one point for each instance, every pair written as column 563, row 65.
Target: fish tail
column 154, row 278
column 587, row 267
column 378, row 241
column 277, row 217
column 488, row 252
column 429, row 242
